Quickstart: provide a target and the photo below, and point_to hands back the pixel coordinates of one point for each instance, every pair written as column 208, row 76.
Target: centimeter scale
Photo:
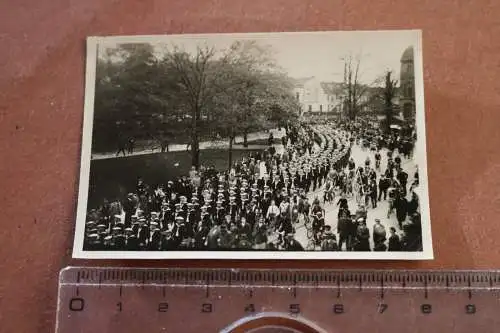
column 133, row 300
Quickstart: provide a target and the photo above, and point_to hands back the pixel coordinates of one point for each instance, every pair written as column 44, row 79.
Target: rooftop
column 407, row 54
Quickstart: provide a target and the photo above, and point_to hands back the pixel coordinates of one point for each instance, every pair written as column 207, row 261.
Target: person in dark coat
column 129, row 206
column 200, row 237
column 244, row 228
column 329, row 242
column 122, row 144
column 344, row 231
column 225, row 239
column 394, row 241
column 402, row 177
column 401, row 209
column 168, row 242
column 383, row 186
column 342, row 203
column 413, row 204
column 362, row 237
column 259, row 235
column 155, row 244
column 379, row 233
column 291, row 244
column 244, row 243
column 373, row 192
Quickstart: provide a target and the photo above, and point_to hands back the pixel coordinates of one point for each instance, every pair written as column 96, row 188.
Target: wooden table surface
column 41, row 108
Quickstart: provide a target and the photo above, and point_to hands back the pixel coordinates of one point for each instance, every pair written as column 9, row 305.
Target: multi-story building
column 318, row 97
column 407, row 85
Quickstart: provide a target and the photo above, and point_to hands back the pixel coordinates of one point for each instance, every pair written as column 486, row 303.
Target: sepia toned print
column 270, row 145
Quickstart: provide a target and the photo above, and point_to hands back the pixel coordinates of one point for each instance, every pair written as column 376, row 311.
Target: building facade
column 407, row 86
column 318, row 97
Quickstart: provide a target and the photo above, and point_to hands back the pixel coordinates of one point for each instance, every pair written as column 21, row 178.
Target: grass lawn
column 113, row 178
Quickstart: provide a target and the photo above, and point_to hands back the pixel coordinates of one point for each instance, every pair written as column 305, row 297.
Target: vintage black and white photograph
column 303, row 145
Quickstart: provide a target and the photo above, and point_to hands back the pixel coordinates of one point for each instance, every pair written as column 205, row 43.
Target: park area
column 113, row 178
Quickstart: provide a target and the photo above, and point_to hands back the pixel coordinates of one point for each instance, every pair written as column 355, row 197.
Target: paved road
column 380, row 212
column 223, row 144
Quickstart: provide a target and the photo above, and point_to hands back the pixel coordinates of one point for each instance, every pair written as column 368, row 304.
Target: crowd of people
column 261, row 202
column 368, row 184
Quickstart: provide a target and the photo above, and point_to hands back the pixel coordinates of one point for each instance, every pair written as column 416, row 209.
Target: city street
column 380, row 212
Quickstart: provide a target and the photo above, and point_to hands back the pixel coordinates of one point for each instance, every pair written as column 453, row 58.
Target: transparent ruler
column 135, row 300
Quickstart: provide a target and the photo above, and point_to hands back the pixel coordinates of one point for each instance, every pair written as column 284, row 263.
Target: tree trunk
column 230, row 151
column 245, row 139
column 388, row 118
column 195, row 140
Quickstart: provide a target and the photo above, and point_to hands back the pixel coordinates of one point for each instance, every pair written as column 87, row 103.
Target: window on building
column 310, row 107
column 409, row 90
column 321, row 108
column 297, row 95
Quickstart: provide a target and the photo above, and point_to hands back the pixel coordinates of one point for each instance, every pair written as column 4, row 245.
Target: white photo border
column 421, row 151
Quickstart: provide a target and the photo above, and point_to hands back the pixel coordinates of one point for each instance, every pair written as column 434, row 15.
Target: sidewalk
column 222, row 144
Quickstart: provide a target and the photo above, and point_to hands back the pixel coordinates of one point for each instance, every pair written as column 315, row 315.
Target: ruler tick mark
column 338, row 287
column 77, row 291
column 426, row 291
column 381, row 288
column 121, row 290
column 469, row 290
column 163, row 291
column 294, row 286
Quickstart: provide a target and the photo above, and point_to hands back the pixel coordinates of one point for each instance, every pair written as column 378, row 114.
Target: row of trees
column 170, row 94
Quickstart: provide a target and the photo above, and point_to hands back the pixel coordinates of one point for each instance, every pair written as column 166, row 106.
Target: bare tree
column 354, row 91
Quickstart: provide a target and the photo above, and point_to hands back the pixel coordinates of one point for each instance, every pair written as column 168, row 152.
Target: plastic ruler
column 135, row 300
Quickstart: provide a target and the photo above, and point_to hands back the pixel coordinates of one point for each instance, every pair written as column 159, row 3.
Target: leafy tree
column 382, row 100
column 251, row 89
column 146, row 94
column 129, row 95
